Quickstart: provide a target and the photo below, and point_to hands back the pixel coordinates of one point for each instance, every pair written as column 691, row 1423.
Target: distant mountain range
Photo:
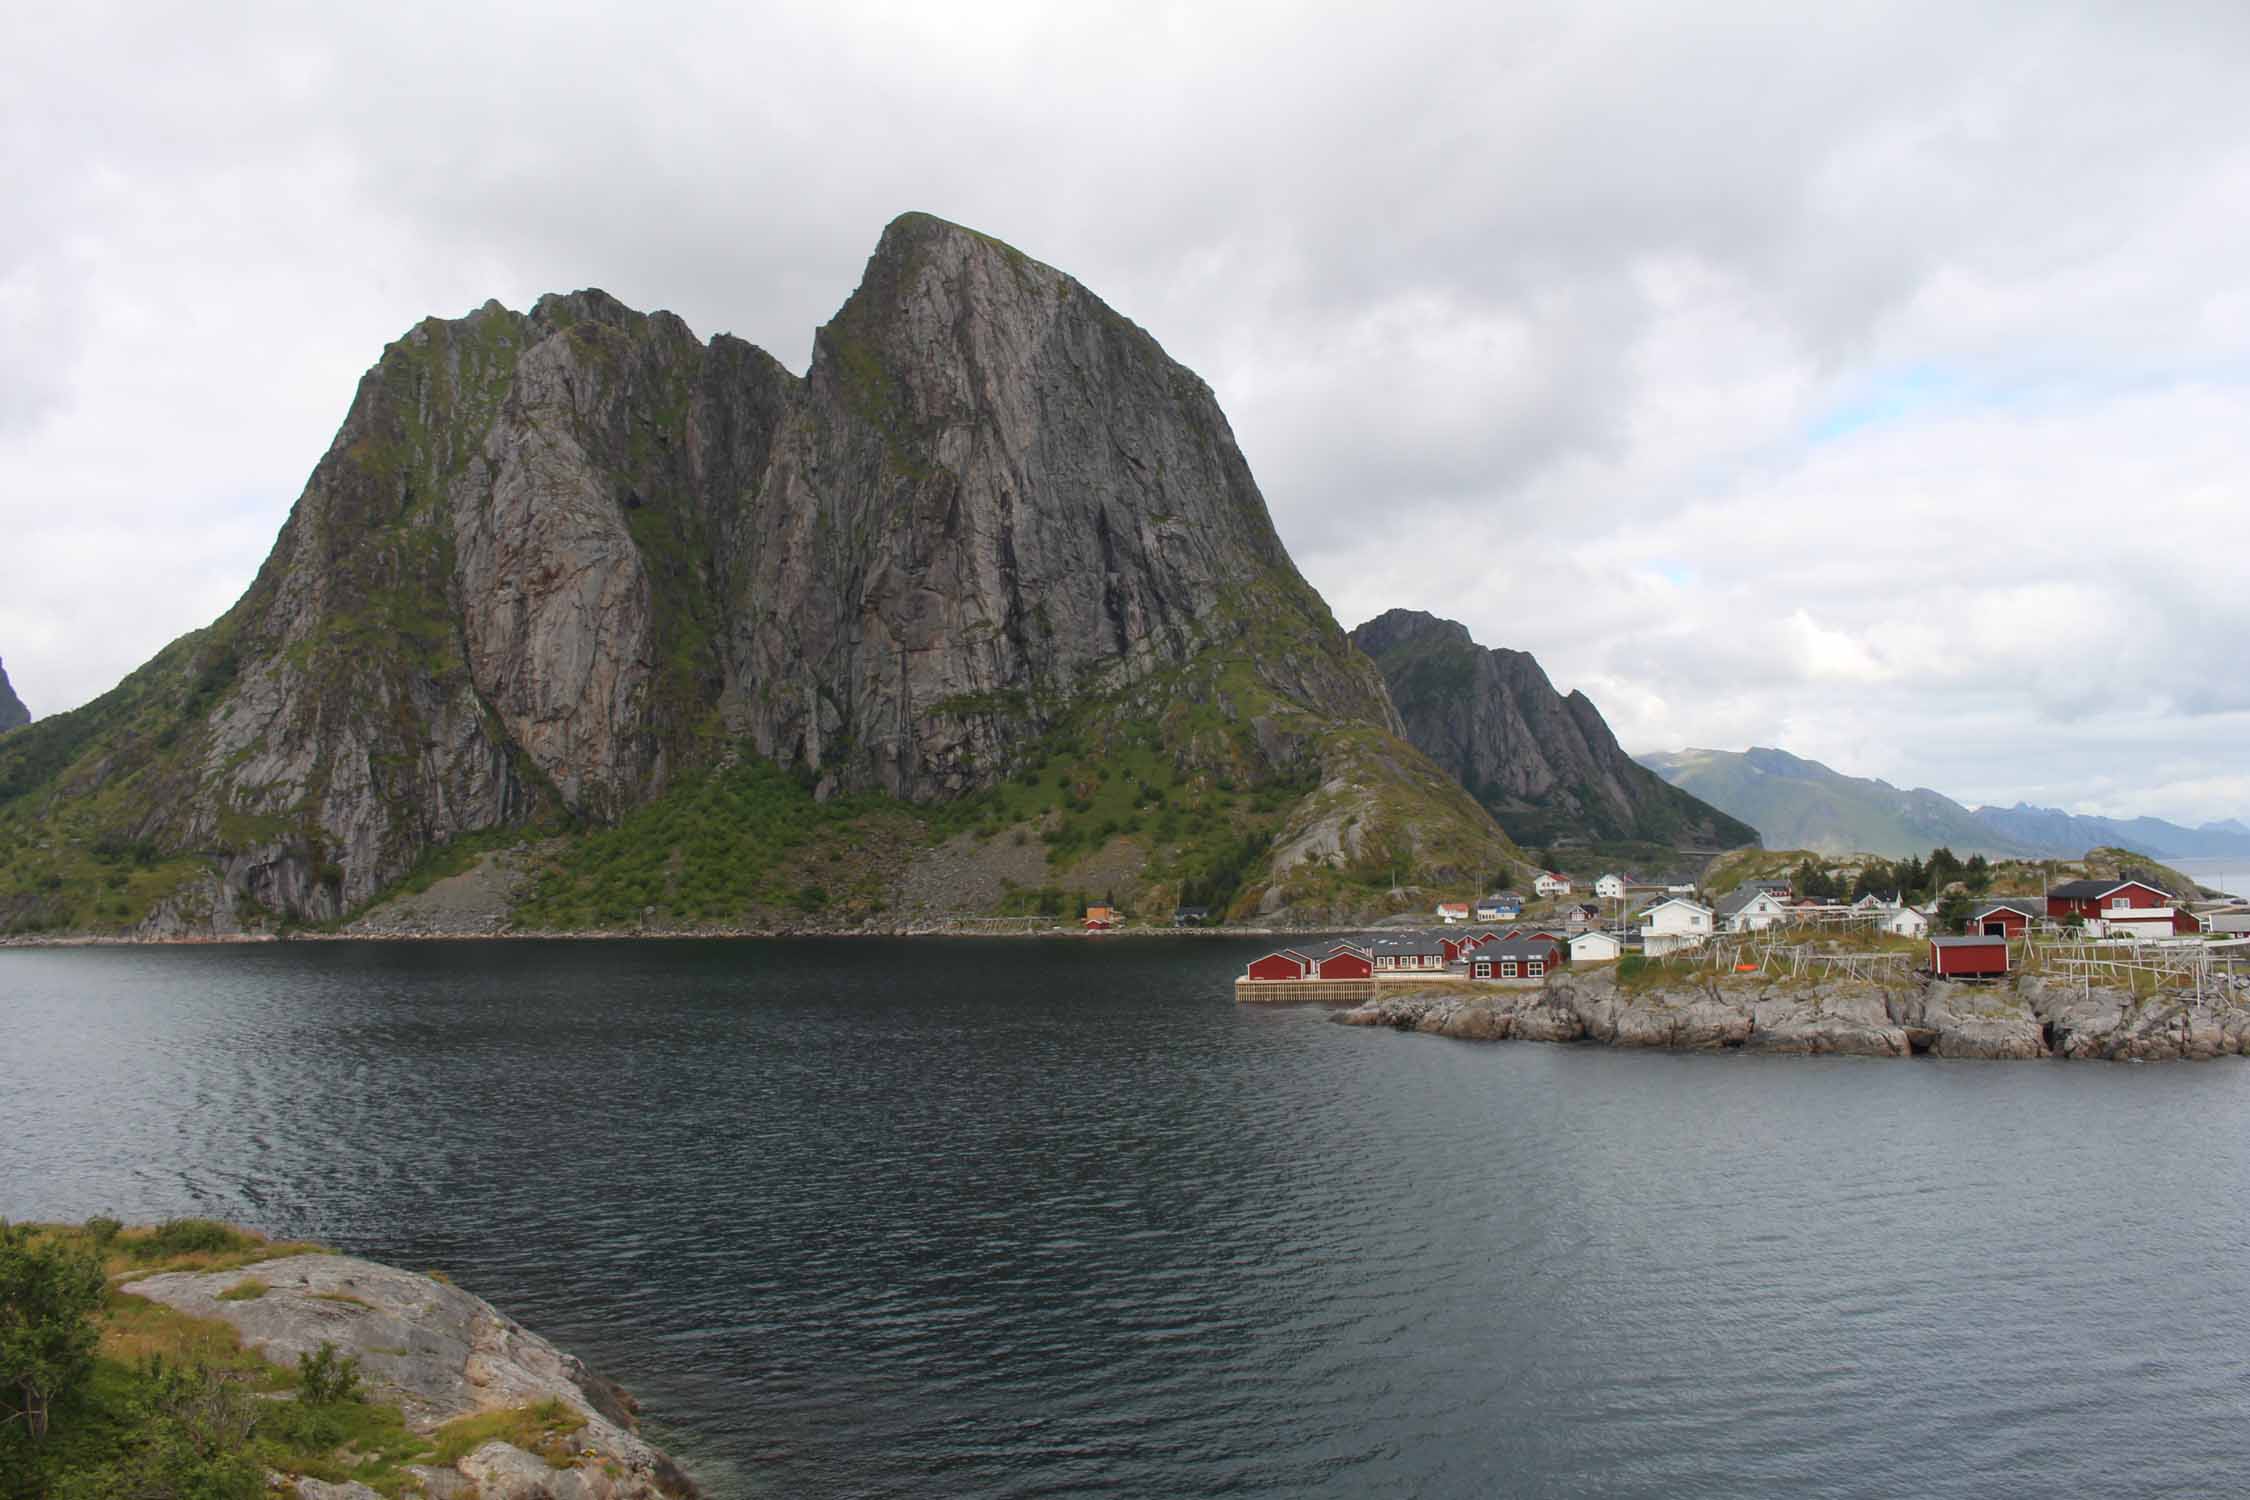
column 2051, row 827
column 1801, row 804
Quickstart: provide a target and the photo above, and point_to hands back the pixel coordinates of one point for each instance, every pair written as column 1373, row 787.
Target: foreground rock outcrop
column 2030, row 1019
column 441, row 1353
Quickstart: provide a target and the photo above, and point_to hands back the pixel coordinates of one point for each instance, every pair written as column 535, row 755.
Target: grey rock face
column 2030, row 1020
column 1546, row 765
column 13, row 714
column 440, row 1353
column 552, row 559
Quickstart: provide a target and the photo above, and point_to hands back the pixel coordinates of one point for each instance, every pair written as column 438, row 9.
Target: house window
column 1534, row 969
column 1508, row 969
column 2120, row 903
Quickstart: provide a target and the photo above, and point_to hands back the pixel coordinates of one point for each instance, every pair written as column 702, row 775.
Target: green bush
column 188, row 1237
column 323, row 1379
column 186, row 1436
column 49, row 1294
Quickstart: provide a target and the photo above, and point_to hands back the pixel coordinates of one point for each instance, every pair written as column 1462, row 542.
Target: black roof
column 1520, row 948
column 1409, row 946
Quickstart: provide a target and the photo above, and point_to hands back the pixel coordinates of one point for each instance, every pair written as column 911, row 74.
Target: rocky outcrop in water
column 441, row 1354
column 2030, row 1019
column 1547, row 766
column 13, row 715
column 553, row 559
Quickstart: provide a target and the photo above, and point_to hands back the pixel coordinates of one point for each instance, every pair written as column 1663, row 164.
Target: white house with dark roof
column 1752, row 911
column 1673, row 924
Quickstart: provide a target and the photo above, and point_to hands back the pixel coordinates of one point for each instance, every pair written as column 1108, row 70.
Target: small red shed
column 2008, row 919
column 1968, row 957
column 1285, row 965
column 1344, row 963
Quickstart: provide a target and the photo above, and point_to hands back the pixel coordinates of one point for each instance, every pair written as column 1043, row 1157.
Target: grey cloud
column 1556, row 290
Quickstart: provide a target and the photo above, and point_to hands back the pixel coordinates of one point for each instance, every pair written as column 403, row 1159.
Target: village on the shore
column 2128, row 920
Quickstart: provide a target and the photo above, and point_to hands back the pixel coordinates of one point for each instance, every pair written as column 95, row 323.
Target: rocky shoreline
column 441, row 1354
column 2028, row 1019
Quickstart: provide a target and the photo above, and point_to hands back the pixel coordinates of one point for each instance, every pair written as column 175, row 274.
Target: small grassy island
column 196, row 1361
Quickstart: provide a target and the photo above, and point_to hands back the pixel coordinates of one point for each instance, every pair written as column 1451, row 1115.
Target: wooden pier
column 1289, row 991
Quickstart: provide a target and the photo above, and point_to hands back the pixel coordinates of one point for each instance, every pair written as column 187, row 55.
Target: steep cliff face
column 1547, row 766
column 554, row 559
column 13, row 715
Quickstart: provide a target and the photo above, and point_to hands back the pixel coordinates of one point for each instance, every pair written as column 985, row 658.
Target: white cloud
column 1871, row 383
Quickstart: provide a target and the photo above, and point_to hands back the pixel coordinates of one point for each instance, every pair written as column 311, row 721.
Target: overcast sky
column 1875, row 385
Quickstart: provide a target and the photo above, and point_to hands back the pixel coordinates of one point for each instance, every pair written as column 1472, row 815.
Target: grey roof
column 1409, row 947
column 1967, row 942
column 1733, row 903
column 1521, row 948
column 2084, row 890
column 2029, row 906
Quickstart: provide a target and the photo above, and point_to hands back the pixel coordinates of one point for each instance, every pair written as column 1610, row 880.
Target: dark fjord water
column 872, row 1218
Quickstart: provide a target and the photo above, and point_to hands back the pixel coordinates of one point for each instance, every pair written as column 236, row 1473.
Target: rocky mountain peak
column 1394, row 628
column 1546, row 766
column 554, row 561
column 12, row 712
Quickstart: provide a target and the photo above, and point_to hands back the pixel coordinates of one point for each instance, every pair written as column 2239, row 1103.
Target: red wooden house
column 1286, row 965
column 2094, row 898
column 1968, row 957
column 1345, row 963
column 1531, row 958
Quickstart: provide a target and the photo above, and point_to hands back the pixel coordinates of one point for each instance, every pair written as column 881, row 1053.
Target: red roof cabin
column 1969, row 957
column 1345, row 963
column 2094, row 898
column 2007, row 919
column 1286, row 965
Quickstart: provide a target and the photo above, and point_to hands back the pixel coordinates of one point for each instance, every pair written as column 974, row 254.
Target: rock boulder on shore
column 440, row 1353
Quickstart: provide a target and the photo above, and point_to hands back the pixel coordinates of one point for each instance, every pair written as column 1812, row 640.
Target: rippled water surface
column 1018, row 1218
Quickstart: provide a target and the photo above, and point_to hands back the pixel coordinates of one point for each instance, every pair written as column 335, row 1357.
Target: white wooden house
column 1612, row 887
column 1673, row 924
column 1551, row 884
column 1752, row 911
column 1596, row 947
column 1908, row 921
